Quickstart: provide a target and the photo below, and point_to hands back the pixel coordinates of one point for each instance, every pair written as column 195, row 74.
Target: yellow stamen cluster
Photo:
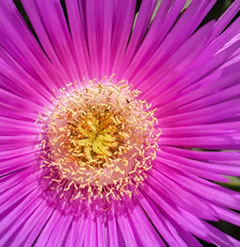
column 100, row 141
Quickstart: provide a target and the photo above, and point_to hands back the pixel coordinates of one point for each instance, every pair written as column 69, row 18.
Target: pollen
column 98, row 141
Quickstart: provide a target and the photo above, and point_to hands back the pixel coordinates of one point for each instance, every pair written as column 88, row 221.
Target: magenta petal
column 77, row 232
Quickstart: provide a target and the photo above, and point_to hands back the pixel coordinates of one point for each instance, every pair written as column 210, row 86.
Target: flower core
column 99, row 141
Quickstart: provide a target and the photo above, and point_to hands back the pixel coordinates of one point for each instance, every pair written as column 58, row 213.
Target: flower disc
column 100, row 141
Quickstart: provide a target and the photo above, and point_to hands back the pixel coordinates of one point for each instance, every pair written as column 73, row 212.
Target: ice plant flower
column 107, row 118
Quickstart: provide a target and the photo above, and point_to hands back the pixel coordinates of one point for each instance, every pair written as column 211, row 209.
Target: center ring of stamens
column 99, row 141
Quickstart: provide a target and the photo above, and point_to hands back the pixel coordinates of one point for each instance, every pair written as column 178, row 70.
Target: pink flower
column 104, row 118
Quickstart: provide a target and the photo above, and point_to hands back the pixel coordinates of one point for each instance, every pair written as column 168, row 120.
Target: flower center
column 99, row 141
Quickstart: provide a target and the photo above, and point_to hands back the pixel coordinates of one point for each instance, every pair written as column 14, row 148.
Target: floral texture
column 113, row 122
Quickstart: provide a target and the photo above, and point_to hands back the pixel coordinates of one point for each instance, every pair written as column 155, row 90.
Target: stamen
column 100, row 140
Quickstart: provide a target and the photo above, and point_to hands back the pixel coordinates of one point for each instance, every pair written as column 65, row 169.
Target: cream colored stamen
column 100, row 139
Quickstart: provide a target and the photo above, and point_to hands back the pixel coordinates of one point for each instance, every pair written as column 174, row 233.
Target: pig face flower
column 107, row 121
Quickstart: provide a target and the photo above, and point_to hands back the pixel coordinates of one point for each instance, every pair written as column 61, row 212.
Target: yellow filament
column 100, row 139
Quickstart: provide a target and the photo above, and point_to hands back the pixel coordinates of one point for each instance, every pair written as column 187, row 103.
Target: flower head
column 117, row 126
